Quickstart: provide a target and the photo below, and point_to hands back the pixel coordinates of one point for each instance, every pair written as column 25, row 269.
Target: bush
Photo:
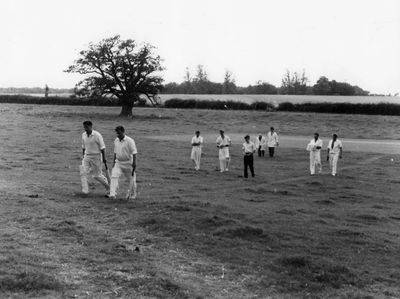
column 217, row 105
column 343, row 108
column 70, row 100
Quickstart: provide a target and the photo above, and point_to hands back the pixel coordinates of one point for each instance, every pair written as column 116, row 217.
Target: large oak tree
column 121, row 69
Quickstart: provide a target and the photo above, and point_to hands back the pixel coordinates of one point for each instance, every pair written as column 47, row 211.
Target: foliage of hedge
column 343, row 108
column 216, row 105
column 56, row 100
column 339, row 108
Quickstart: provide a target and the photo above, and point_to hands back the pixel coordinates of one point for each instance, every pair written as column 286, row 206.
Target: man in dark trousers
column 249, row 149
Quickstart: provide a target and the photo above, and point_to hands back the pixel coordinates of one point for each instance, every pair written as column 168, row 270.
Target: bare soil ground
column 193, row 234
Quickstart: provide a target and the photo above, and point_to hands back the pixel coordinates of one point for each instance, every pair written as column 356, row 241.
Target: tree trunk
column 126, row 110
column 127, row 104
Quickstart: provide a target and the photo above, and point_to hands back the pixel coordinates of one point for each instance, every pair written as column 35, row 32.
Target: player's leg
column 222, row 165
column 193, row 157
column 97, row 173
column 126, row 169
column 318, row 161
column 334, row 164
column 227, row 159
column 312, row 163
column 83, row 171
column 245, row 164
column 251, row 165
column 115, row 174
column 132, row 187
column 198, row 158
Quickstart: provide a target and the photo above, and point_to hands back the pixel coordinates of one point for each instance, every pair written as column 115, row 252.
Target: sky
column 354, row 41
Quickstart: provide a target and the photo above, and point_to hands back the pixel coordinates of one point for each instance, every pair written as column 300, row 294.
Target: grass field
column 194, row 234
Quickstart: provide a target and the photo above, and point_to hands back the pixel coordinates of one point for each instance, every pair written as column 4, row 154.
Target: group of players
column 125, row 151
column 124, row 161
column 249, row 148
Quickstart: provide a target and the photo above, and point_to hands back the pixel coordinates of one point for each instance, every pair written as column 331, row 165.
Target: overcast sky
column 357, row 41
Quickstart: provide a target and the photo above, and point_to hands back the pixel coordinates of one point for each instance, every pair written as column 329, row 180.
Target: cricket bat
column 107, row 172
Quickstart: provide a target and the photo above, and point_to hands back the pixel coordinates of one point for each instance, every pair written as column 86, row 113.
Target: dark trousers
column 271, row 151
column 248, row 162
column 261, row 153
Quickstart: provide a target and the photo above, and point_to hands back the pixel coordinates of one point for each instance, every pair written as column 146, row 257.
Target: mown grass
column 198, row 234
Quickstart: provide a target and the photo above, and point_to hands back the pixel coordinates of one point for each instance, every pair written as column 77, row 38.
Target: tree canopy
column 121, row 69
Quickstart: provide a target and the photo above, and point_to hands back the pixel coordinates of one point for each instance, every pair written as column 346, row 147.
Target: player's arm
column 103, row 154
column 133, row 163
column 114, row 158
column 102, row 146
column 83, row 147
column 341, row 153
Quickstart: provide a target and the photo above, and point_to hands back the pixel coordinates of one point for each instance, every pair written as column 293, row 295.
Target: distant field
column 274, row 99
column 196, row 234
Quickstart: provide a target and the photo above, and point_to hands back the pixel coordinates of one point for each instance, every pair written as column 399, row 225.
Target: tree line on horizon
column 292, row 83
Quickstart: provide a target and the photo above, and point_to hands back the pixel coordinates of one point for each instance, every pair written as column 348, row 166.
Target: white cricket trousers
column 123, row 168
column 315, row 160
column 333, row 159
column 91, row 165
column 224, row 159
column 196, row 156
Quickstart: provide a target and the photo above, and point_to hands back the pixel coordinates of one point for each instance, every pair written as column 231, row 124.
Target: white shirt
column 272, row 139
column 124, row 149
column 262, row 142
column 225, row 141
column 196, row 139
column 93, row 144
column 336, row 146
column 249, row 148
column 312, row 146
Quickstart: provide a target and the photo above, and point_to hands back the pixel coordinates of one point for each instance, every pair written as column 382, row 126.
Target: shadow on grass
column 29, row 282
column 299, row 273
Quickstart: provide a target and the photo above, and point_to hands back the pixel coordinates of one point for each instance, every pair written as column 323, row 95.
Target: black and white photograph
column 200, row 149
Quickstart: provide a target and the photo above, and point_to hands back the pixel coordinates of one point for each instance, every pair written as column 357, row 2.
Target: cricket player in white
column 314, row 147
column 93, row 150
column 125, row 152
column 197, row 143
column 272, row 141
column 261, row 145
column 335, row 151
column 223, row 143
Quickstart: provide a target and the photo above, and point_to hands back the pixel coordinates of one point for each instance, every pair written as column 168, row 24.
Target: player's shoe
column 130, row 196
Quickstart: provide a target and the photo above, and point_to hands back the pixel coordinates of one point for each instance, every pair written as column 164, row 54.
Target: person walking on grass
column 261, row 145
column 335, row 152
column 197, row 143
column 249, row 148
column 125, row 152
column 314, row 147
column 94, row 154
column 223, row 144
column 272, row 141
